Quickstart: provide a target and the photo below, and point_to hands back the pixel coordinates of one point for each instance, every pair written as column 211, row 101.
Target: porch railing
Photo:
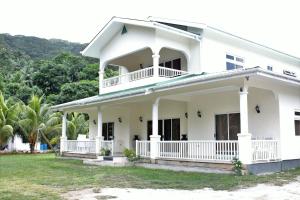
column 265, row 150
column 80, row 146
column 142, row 148
column 202, row 150
column 141, row 74
column 198, row 150
column 107, row 144
column 170, row 73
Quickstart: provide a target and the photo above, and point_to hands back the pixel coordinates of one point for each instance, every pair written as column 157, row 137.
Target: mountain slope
column 39, row 48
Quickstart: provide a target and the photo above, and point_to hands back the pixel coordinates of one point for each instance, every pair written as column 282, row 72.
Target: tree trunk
column 31, row 147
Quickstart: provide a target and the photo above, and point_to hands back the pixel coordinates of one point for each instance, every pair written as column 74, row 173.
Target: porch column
column 244, row 137
column 155, row 57
column 63, row 137
column 99, row 132
column 154, row 138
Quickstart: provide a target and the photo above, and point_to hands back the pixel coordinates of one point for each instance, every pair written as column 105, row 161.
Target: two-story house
column 190, row 92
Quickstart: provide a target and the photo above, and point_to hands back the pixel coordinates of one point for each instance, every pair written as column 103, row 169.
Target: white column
column 101, row 75
column 63, row 137
column 155, row 65
column 99, row 132
column 244, row 138
column 154, row 138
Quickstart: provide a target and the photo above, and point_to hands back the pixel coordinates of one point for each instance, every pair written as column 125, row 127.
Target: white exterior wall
column 124, row 132
column 288, row 102
column 215, row 47
column 262, row 125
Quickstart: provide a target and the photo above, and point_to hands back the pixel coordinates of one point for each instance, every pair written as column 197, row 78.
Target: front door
column 227, row 126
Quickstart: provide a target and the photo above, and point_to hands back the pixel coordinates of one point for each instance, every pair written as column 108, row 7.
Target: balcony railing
column 141, row 74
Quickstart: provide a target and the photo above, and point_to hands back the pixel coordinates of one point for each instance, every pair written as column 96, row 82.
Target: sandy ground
column 289, row 191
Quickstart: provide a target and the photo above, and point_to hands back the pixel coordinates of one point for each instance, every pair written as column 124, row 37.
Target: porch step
column 79, row 155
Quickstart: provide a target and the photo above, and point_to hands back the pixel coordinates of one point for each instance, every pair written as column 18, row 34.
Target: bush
column 237, row 166
column 130, row 154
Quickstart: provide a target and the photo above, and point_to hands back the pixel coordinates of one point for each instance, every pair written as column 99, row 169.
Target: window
column 234, row 62
column 297, row 123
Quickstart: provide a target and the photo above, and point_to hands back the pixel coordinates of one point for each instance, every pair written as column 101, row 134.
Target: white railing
column 107, row 144
column 80, row 146
column 265, row 150
column 141, row 74
column 128, row 77
column 170, row 73
column 203, row 150
column 142, row 148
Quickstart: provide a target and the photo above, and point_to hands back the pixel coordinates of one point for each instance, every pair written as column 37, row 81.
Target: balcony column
column 99, row 137
column 101, row 75
column 244, row 137
column 155, row 57
column 154, row 138
column 63, row 137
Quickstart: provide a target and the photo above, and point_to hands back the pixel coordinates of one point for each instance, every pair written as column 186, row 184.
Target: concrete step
column 207, row 165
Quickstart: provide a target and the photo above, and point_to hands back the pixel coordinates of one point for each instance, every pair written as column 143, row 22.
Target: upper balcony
column 142, row 68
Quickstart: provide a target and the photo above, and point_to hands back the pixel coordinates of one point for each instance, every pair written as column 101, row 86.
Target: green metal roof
column 174, row 82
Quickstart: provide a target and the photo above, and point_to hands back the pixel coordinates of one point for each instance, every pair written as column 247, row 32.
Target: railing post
column 136, row 147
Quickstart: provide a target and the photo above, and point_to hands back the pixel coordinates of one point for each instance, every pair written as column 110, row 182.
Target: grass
column 42, row 176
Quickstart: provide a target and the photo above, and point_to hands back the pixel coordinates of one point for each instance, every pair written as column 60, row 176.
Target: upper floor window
column 234, row 62
column 270, row 68
column 297, row 123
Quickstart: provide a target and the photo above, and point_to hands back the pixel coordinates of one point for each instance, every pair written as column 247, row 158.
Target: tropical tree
column 39, row 121
column 8, row 120
column 77, row 124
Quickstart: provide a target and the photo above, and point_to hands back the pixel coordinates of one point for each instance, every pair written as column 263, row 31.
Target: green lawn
column 45, row 177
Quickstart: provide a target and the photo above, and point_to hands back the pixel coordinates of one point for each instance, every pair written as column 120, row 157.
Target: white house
column 190, row 92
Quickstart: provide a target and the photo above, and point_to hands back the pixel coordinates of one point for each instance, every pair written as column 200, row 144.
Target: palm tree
column 8, row 119
column 77, row 124
column 38, row 121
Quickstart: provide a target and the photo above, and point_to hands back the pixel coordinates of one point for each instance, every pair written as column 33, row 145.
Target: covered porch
column 212, row 123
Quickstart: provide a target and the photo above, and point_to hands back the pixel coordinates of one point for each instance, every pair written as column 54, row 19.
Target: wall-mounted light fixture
column 186, row 115
column 94, row 121
column 257, row 108
column 199, row 114
column 140, row 118
column 120, row 119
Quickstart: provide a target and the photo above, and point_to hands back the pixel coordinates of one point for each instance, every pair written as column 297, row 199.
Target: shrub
column 237, row 166
column 130, row 154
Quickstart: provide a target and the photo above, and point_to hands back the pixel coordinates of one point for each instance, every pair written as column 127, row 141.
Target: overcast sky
column 273, row 23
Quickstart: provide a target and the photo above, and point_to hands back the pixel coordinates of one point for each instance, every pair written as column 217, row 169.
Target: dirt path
column 290, row 191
